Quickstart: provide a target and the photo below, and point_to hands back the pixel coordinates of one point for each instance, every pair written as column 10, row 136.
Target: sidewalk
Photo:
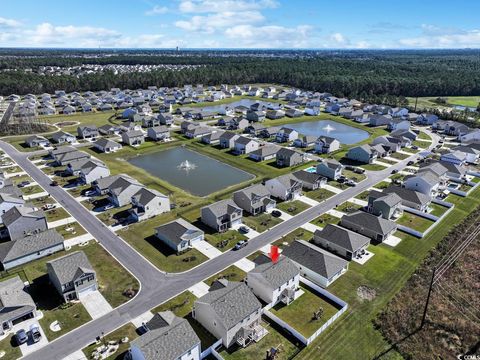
column 61, row 222
column 308, row 201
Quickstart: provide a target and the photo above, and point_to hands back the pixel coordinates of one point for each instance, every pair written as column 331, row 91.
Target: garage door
column 87, row 290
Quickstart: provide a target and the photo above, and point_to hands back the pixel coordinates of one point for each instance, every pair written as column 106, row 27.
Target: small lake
column 195, row 173
column 242, row 102
column 344, row 133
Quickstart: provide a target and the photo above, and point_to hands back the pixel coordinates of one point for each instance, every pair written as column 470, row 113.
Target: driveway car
column 276, row 213
column 240, row 244
column 21, row 337
column 35, row 333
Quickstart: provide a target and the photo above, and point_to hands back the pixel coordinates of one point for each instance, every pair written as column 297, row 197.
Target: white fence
column 211, row 351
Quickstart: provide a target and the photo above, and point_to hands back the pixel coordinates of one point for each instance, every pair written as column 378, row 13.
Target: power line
column 459, row 295
column 461, row 305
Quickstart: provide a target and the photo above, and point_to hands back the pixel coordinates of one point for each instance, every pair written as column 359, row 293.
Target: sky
column 312, row 24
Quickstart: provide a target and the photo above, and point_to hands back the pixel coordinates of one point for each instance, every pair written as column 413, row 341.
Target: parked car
column 89, row 192
column 394, row 171
column 35, row 333
column 351, row 183
column 108, row 207
column 23, row 184
column 415, row 147
column 240, row 244
column 21, row 337
column 350, row 167
column 48, row 206
column 358, row 170
column 244, row 229
column 276, row 213
column 410, row 163
column 54, row 183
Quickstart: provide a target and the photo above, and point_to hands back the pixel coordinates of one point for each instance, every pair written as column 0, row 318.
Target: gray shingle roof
column 18, row 212
column 232, row 303
column 178, row 230
column 255, row 190
column 104, row 143
column 67, row 268
column 223, row 207
column 307, row 177
column 342, row 237
column 266, row 150
column 144, row 195
column 314, row 258
column 14, row 299
column 171, row 338
column 371, row 222
column 15, row 249
column 277, row 273
column 408, row 195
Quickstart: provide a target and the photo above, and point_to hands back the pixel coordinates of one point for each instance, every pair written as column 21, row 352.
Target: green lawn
column 261, row 222
column 56, row 214
column 277, row 338
column 325, row 219
column 415, row 222
column 141, row 237
column 18, row 179
column 111, row 216
column 429, row 101
column 292, row 207
column 232, row 273
column 400, row 156
column 299, row 313
column 437, row 210
column 30, row 190
column 348, row 207
column 127, row 330
column 11, row 352
column 320, row 194
column 297, row 234
column 71, row 230
column 387, row 161
column 354, row 176
column 382, row 185
column 41, row 201
column 373, row 167
column 423, row 136
column 386, row 272
column 420, row 144
column 224, row 241
column 363, row 195
column 180, row 305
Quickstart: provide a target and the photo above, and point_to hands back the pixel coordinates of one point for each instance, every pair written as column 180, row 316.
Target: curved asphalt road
column 156, row 286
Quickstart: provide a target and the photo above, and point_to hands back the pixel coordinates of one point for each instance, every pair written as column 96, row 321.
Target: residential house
column 255, row 116
column 255, row 129
column 168, row 337
column 340, row 241
column 21, row 221
column 427, row 119
column 426, row 182
column 165, row 119
column 275, row 282
column 391, row 143
column 72, row 275
column 227, row 139
column 29, row 248
column 286, row 135
column 133, row 137
column 63, row 137
column 330, row 168
column 37, row 141
column 388, row 206
column 470, row 135
column 398, row 124
column 275, row 114
column 108, row 129
column 309, row 180
column 326, row 144
column 254, row 199
column 106, row 145
column 293, row 113
column 120, row 192
column 92, row 170
column 288, row 157
column 158, row 133
column 315, row 264
column 71, row 156
column 305, row 141
column 471, row 154
column 266, row 152
column 198, row 132
column 8, row 201
column 285, row 187
column 376, row 228
column 213, row 138
column 363, row 154
column 410, row 198
column 379, row 119
column 179, row 235
column 231, row 312
column 454, row 157
column 87, row 132
column 147, row 203
column 244, row 145
column 222, row 215
column 269, row 132
column 16, row 304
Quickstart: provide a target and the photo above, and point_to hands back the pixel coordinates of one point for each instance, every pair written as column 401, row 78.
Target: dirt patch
column 366, row 293
column 67, row 123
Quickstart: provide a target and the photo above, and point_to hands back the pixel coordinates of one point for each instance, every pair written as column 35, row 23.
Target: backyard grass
column 420, row 144
column 293, row 207
column 373, row 167
column 326, row 219
column 299, row 313
column 232, row 273
column 71, row 230
column 297, row 234
column 12, row 352
column 386, row 272
column 261, row 222
column 112, row 216
column 127, row 330
column 320, row 194
column 41, row 201
column 415, row 222
column 465, row 188
column 180, row 305
column 348, row 207
column 275, row 338
column 56, row 214
column 353, row 175
column 437, row 210
column 224, row 241
column 423, row 136
column 18, row 179
column 141, row 237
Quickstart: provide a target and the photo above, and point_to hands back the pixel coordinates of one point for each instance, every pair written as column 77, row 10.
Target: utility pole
column 428, row 299
column 416, row 100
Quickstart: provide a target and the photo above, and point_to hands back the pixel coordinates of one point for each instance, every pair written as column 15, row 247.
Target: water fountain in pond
column 186, row 165
column 328, row 128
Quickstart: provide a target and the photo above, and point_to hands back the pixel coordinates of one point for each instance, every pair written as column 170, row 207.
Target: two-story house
column 285, row 187
column 254, row 199
column 222, row 215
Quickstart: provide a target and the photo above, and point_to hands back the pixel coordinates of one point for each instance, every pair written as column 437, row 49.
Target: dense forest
column 357, row 74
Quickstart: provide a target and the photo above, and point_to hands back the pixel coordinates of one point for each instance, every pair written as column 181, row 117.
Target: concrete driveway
column 206, row 249
column 95, row 304
column 29, row 347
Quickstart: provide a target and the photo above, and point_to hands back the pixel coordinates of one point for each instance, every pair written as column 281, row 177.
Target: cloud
column 218, row 6
column 436, row 37
column 157, row 10
column 339, row 39
column 212, row 22
column 270, row 36
column 9, row 23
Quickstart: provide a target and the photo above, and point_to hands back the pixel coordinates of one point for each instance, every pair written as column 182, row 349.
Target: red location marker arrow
column 274, row 254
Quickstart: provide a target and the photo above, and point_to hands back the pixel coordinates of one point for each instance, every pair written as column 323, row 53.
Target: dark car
column 21, row 337
column 54, row 183
column 394, row 171
column 410, row 163
column 244, row 229
column 23, row 184
column 415, row 147
column 276, row 213
column 240, row 244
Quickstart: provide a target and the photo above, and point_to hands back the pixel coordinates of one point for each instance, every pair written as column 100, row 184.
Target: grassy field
column 382, row 185
column 437, row 210
column 348, row 207
column 56, row 214
column 415, row 222
column 127, row 330
column 320, row 194
column 231, row 273
column 386, row 272
column 299, row 313
column 71, row 230
column 400, row 156
column 326, row 219
column 294, row 207
column 261, row 222
column 11, row 352
column 429, row 101
column 363, row 195
column 224, row 241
